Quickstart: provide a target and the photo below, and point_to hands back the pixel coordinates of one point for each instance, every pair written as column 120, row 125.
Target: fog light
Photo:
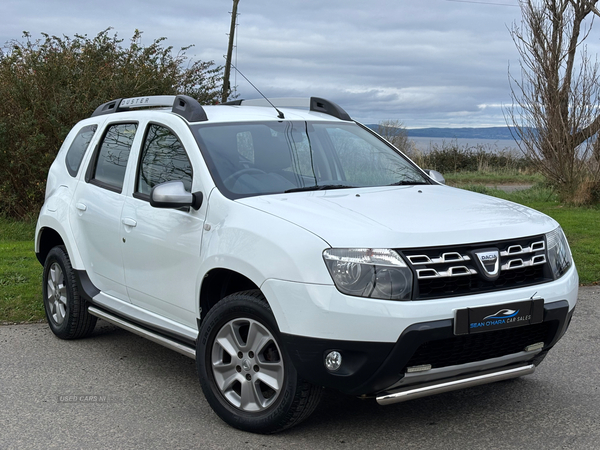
column 333, row 361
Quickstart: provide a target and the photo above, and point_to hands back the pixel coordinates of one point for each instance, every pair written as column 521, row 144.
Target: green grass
column 20, row 274
column 462, row 179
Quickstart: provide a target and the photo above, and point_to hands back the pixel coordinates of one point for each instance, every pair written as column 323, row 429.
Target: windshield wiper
column 322, row 187
column 407, row 183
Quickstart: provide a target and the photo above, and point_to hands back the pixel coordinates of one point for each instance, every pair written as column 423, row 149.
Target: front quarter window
column 163, row 159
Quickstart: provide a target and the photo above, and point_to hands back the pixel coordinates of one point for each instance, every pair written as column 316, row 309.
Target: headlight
column 559, row 253
column 365, row 272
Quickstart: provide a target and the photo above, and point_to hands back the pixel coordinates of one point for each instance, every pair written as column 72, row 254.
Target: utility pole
column 229, row 52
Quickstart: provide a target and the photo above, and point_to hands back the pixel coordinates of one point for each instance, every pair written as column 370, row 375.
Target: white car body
column 145, row 267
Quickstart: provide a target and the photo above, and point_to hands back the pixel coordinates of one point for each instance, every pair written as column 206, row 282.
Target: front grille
column 478, row 347
column 456, row 270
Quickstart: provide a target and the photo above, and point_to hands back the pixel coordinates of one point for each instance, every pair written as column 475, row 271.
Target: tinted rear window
column 78, row 148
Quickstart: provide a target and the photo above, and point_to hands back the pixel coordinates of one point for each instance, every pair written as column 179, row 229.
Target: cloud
column 425, row 62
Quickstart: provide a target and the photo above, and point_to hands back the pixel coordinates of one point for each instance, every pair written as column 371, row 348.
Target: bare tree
column 555, row 103
column 395, row 133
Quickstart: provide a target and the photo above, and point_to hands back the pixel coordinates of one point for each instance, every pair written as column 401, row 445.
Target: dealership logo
column 502, row 314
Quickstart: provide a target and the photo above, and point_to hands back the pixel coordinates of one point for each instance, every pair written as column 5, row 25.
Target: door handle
column 80, row 206
column 129, row 222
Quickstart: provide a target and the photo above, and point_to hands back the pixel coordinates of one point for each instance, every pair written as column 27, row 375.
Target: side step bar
column 424, row 391
column 154, row 337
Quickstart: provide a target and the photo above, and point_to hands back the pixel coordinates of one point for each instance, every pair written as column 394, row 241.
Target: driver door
column 162, row 246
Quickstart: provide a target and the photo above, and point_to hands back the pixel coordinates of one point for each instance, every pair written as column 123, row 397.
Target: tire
column 245, row 373
column 66, row 311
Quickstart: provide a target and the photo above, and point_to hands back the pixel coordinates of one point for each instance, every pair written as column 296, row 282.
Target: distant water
column 426, row 144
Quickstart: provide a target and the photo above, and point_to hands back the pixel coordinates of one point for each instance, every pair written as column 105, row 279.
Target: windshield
column 256, row 158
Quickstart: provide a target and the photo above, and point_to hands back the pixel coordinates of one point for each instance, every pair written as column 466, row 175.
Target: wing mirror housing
column 435, row 176
column 172, row 194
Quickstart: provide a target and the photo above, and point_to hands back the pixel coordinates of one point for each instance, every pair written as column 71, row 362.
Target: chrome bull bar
column 409, row 393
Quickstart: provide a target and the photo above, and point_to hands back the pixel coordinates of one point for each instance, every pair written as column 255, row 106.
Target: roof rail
column 325, row 106
column 183, row 105
column 283, row 102
column 313, row 104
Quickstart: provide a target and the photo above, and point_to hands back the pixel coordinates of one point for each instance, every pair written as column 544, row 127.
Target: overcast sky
column 427, row 63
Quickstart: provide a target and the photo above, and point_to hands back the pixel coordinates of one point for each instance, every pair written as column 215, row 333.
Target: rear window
column 78, row 148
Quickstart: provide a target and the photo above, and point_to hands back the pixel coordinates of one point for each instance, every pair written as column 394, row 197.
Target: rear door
column 96, row 209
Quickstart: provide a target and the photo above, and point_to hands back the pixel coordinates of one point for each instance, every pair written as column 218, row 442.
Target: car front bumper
column 399, row 371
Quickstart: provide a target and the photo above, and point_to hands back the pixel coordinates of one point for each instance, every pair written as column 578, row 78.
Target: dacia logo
column 489, row 262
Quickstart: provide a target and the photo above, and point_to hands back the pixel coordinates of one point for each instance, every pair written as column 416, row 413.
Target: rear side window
column 109, row 170
column 163, row 159
column 78, row 148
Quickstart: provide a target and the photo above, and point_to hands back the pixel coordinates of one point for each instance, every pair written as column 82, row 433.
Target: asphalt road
column 116, row 390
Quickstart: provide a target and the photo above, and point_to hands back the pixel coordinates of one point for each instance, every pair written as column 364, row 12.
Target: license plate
column 498, row 317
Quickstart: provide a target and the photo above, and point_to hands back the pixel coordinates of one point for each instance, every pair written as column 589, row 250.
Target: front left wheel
column 246, row 375
column 66, row 311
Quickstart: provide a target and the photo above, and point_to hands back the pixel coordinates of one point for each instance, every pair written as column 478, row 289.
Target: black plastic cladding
column 189, row 108
column 107, row 108
column 325, row 106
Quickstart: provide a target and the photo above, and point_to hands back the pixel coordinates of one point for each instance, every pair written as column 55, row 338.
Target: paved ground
column 141, row 395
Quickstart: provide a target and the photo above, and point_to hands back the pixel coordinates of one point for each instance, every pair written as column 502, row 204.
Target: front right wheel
column 245, row 374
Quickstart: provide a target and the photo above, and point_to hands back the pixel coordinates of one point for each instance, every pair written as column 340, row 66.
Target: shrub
column 451, row 158
column 48, row 85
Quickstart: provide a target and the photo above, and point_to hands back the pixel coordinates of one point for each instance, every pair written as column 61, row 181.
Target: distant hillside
column 462, row 133
column 458, row 133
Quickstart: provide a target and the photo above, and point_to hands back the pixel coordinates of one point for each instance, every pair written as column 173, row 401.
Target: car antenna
column 279, row 113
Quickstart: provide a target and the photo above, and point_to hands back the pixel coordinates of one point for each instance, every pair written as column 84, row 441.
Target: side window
column 78, row 147
column 113, row 155
column 163, row 159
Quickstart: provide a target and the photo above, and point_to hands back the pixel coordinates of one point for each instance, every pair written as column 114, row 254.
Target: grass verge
column 20, row 274
column 498, row 178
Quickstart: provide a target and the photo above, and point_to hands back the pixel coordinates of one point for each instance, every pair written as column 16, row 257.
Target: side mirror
column 435, row 176
column 172, row 194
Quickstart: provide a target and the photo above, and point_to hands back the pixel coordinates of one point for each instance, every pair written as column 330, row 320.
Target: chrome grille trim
column 519, row 250
column 519, row 263
column 448, row 257
column 456, row 271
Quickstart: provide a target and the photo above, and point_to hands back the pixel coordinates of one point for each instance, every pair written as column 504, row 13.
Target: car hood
column 403, row 216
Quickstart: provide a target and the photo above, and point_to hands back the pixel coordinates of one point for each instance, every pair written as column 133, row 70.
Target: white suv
column 288, row 248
